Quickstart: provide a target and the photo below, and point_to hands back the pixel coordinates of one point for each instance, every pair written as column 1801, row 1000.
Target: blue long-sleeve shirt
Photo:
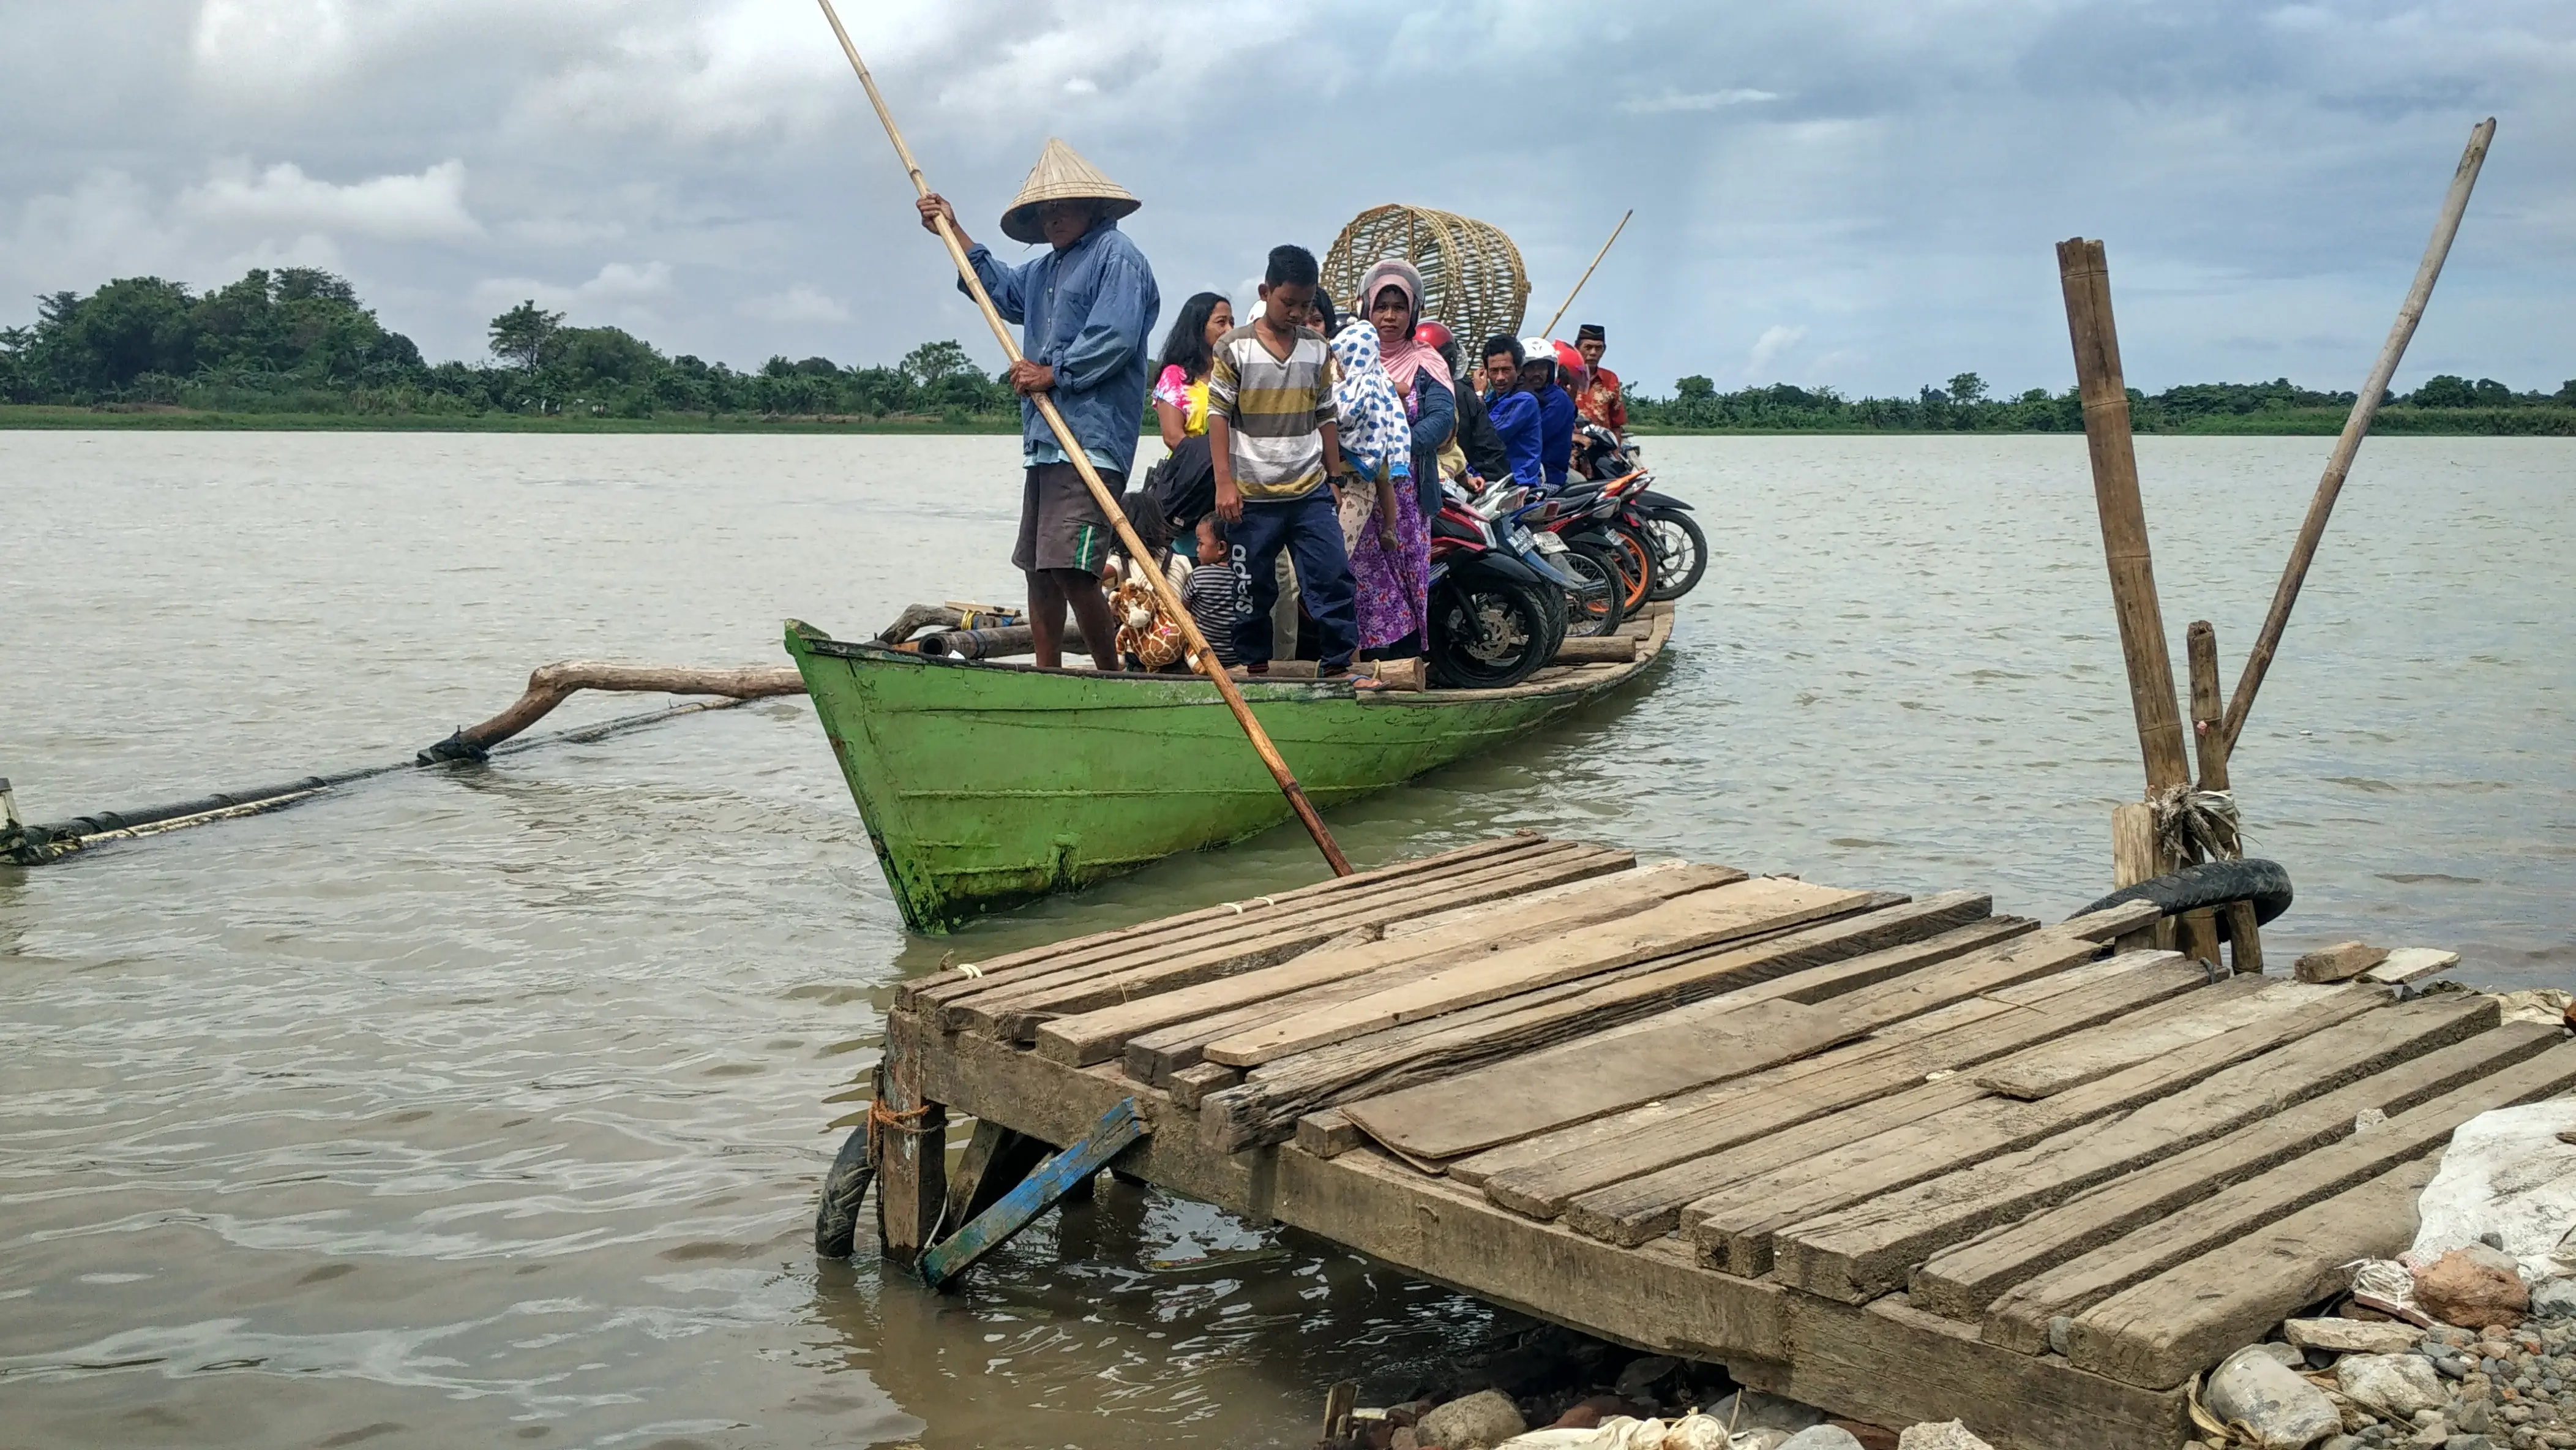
column 1516, row 419
column 1088, row 312
column 1438, row 420
column 1555, row 433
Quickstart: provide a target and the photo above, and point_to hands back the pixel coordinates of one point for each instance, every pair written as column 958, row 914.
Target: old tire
column 2211, row 883
column 836, row 1222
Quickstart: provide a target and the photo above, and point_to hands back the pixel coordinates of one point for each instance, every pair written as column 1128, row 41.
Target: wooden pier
column 1900, row 1158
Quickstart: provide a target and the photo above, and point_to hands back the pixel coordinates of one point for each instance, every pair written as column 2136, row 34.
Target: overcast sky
column 1861, row 193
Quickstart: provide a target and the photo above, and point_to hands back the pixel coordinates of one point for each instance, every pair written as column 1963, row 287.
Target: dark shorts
column 1060, row 526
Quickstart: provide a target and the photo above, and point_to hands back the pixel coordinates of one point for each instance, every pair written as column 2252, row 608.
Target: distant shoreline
column 2306, row 422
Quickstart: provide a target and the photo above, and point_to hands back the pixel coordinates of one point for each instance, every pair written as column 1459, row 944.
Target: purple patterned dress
column 1392, row 586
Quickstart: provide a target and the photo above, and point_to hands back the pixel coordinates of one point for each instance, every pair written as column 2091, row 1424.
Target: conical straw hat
column 1061, row 175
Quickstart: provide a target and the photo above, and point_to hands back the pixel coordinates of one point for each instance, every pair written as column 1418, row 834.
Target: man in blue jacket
column 1087, row 307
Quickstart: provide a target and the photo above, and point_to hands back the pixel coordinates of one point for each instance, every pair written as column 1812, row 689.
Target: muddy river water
column 487, row 1107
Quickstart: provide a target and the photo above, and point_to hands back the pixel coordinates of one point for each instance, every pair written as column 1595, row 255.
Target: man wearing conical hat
column 1087, row 306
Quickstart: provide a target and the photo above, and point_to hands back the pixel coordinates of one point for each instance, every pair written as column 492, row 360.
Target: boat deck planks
column 1900, row 1158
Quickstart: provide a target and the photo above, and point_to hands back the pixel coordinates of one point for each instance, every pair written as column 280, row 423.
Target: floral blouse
column 1176, row 388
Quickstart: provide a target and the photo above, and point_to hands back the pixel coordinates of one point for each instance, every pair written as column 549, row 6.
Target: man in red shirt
column 1600, row 402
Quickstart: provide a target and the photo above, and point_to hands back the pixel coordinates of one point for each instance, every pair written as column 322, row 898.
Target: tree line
column 299, row 340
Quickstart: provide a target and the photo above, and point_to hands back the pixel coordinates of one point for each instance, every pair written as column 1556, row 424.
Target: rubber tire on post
column 2209, row 884
column 1590, row 563
column 836, row 1222
column 1667, row 587
column 1454, row 666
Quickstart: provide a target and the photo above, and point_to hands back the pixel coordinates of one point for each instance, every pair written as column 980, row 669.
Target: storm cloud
column 1859, row 193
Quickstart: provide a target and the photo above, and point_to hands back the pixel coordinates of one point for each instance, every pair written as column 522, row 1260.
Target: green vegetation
column 295, row 348
column 2442, row 405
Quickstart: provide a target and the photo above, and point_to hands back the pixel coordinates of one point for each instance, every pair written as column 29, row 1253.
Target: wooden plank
column 1001, row 970
column 2411, row 964
column 2020, row 1318
column 1265, row 1108
column 1699, row 920
column 1191, row 1084
column 1857, row 1253
column 1735, row 1226
column 2052, row 1070
column 1253, row 921
column 1670, row 1053
column 1630, row 1182
column 1098, row 1036
column 1891, row 1364
column 995, row 1159
column 2182, row 1321
column 1035, row 1194
column 1327, row 1134
column 1233, row 922
column 1015, row 1017
column 1963, row 1280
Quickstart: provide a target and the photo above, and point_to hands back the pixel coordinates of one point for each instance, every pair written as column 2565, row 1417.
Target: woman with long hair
column 1189, row 352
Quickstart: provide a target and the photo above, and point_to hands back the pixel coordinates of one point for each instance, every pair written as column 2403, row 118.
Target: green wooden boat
column 987, row 784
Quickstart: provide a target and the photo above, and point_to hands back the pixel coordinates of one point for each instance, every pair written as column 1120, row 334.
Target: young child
column 1214, row 593
column 1273, row 440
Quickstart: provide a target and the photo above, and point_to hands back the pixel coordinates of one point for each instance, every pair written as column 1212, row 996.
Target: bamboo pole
column 2355, row 427
column 1169, row 598
column 1550, row 329
column 2086, row 278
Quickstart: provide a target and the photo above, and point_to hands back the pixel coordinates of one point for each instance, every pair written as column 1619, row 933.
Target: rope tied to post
column 882, row 1120
column 2197, row 824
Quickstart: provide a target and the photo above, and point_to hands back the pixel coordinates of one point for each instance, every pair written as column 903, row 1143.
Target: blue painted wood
column 1036, row 1193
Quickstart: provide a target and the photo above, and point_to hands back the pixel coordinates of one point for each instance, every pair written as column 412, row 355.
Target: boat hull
column 984, row 785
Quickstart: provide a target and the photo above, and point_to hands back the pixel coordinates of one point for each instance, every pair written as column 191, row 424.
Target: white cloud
column 618, row 291
column 255, row 45
column 797, row 304
column 1775, row 340
column 426, row 207
column 1670, row 102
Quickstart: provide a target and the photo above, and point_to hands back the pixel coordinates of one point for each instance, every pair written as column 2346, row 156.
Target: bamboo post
column 1550, row 329
column 1169, row 598
column 2244, row 939
column 2136, row 857
column 2087, row 282
column 2355, row 427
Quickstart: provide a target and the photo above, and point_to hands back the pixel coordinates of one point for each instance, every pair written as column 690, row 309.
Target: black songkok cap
column 1591, row 332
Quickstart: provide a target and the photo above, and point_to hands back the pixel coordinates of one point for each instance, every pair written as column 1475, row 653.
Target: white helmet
column 1539, row 349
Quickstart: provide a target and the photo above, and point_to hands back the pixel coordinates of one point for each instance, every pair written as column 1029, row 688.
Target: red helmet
column 1569, row 363
column 1433, row 335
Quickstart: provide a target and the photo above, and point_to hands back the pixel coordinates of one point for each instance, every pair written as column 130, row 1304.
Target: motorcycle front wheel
column 1486, row 634
column 1681, row 552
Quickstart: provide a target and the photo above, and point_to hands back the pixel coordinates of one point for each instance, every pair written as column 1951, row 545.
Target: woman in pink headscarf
column 1391, row 298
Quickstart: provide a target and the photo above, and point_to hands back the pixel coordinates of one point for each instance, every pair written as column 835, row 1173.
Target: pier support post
column 2209, row 735
column 912, row 1148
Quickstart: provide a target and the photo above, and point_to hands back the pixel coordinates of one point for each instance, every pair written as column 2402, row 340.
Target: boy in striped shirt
column 1273, row 440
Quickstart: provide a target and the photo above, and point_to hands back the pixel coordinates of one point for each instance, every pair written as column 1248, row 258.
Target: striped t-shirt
column 1276, row 409
column 1214, row 597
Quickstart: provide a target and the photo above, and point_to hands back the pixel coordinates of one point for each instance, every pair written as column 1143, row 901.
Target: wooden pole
column 2244, row 939
column 2086, row 278
column 551, row 685
column 2355, row 427
column 1550, row 329
column 1168, row 597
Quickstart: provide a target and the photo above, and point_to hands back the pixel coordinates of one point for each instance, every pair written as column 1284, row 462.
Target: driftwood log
column 553, row 684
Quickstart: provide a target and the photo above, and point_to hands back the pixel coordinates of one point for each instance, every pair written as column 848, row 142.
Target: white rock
column 2352, row 1336
column 1950, row 1436
column 2287, row 1411
column 1820, row 1437
column 2285, row 1355
column 1484, row 1419
column 2394, row 1385
column 2554, row 1297
column 1754, row 1410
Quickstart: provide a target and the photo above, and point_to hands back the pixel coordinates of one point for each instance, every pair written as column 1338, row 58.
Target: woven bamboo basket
column 1471, row 273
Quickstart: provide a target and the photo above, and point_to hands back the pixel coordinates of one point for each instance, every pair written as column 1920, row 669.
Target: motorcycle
column 1658, row 523
column 1490, row 624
